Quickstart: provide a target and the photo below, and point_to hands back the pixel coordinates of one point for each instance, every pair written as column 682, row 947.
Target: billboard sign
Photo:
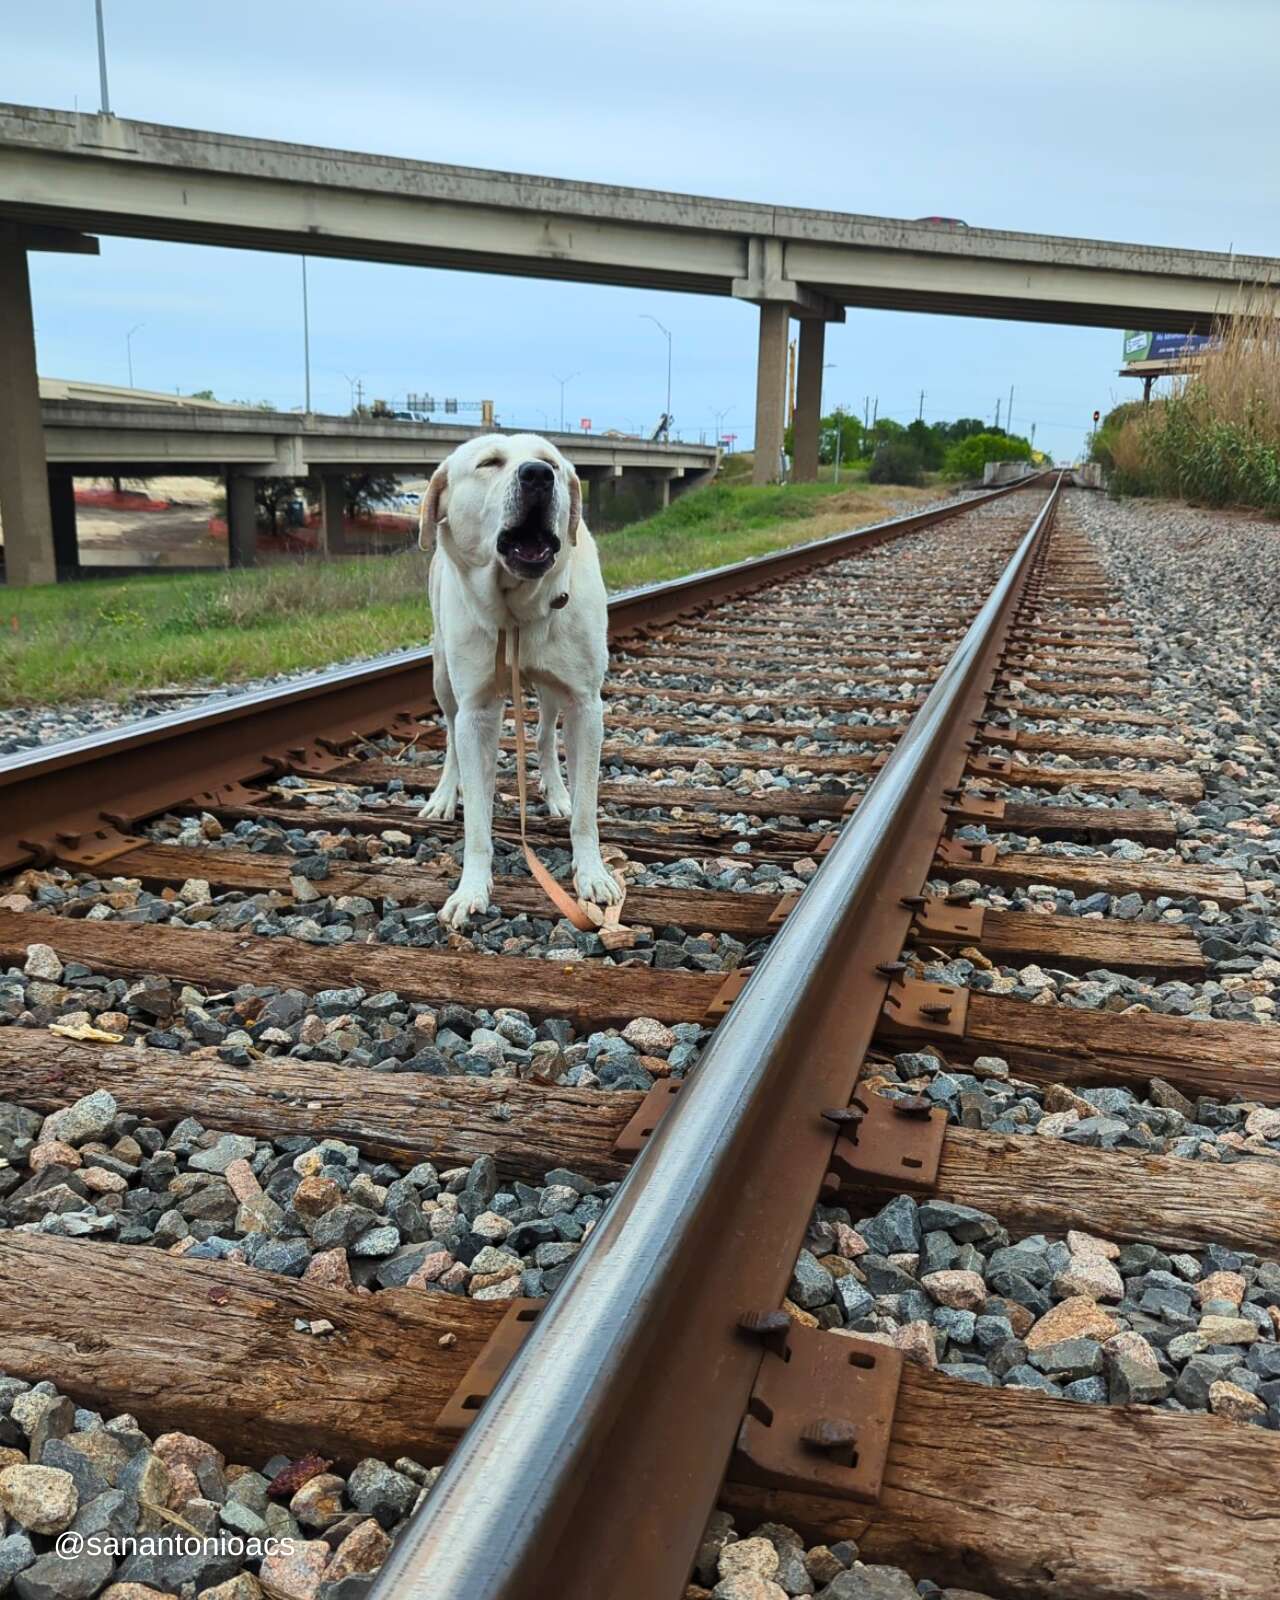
column 1163, row 346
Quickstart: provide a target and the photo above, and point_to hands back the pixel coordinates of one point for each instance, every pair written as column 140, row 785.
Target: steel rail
column 143, row 768
column 594, row 1465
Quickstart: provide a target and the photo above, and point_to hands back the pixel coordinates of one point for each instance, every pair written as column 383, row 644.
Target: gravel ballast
column 341, row 1027
column 1080, row 1318
column 88, row 1501
column 307, row 1207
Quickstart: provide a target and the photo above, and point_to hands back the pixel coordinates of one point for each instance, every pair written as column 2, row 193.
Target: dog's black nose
column 536, row 475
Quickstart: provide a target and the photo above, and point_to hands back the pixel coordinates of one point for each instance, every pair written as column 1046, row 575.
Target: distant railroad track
column 815, row 763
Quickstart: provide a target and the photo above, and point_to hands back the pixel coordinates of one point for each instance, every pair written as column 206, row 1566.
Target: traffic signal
column 1096, row 415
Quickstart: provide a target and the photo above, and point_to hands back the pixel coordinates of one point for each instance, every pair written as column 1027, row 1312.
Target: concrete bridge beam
column 24, row 485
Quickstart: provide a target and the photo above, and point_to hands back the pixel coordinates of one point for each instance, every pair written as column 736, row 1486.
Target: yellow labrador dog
column 504, row 513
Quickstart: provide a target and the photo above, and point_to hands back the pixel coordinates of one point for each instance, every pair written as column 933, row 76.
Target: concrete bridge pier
column 62, row 510
column 333, row 500
column 771, row 391
column 780, row 298
column 30, row 526
column 808, row 418
column 242, row 521
column 602, row 495
column 24, row 486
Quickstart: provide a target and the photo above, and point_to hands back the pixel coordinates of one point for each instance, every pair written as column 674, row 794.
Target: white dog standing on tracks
column 513, row 554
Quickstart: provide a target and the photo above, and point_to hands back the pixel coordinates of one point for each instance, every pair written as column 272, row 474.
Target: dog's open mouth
column 529, row 547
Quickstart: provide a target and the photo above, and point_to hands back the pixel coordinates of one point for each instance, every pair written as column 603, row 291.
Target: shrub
column 967, row 457
column 896, row 461
column 1216, row 438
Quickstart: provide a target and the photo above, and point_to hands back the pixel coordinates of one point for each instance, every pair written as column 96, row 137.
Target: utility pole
column 1008, row 419
column 875, row 412
column 920, row 413
column 997, row 413
column 1033, row 435
column 866, row 413
column 839, row 441
column 105, row 98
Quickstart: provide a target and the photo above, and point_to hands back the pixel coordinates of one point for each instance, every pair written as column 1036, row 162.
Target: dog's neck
column 525, row 603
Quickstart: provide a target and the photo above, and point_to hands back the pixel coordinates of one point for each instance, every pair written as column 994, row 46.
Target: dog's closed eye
column 489, row 461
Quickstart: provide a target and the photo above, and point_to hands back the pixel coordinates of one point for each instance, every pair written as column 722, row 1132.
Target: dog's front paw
column 592, row 880
column 441, row 807
column 469, row 899
column 557, row 798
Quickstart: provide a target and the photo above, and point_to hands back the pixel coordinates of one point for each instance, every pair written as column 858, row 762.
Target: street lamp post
column 306, row 341
column 720, row 416
column 105, row 106
column 648, row 316
column 562, row 382
column 128, row 346
column 353, row 383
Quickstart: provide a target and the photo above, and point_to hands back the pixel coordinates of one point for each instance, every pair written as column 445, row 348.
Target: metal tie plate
column 481, row 1378
column 648, row 1114
column 895, row 1143
column 914, row 1006
column 820, row 1416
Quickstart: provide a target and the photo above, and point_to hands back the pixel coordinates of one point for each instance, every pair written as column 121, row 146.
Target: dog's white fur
column 475, row 593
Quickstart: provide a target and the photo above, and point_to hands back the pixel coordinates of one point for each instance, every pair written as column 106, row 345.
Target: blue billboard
column 1164, row 346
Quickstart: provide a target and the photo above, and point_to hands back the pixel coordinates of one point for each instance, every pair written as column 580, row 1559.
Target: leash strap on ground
column 575, row 910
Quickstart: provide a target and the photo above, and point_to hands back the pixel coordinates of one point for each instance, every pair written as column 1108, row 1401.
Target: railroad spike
column 891, row 969
column 842, row 1116
column 912, row 1105
column 938, row 1013
column 770, row 1327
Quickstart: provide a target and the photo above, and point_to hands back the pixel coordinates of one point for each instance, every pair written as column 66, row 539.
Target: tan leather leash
column 579, row 912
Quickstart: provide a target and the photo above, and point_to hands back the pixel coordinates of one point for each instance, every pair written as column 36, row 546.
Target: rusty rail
column 84, row 795
column 595, row 1464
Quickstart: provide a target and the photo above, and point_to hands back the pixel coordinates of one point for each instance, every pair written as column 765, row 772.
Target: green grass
column 106, row 638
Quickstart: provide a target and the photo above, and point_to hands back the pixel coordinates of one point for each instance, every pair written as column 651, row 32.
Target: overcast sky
column 1114, row 119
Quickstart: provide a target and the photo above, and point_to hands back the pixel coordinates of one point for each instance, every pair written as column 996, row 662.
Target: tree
column 897, row 460
column 363, row 492
column 269, row 495
column 962, row 429
column 885, row 428
column 842, row 426
column 839, row 424
column 967, row 457
column 928, row 443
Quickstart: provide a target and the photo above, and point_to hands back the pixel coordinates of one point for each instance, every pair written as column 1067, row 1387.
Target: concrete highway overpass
column 158, row 435
column 75, row 175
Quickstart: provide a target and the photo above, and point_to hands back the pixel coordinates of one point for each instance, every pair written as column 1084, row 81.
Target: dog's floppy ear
column 430, row 515
column 575, row 506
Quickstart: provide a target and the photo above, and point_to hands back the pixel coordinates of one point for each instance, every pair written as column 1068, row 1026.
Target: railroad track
column 805, row 1198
